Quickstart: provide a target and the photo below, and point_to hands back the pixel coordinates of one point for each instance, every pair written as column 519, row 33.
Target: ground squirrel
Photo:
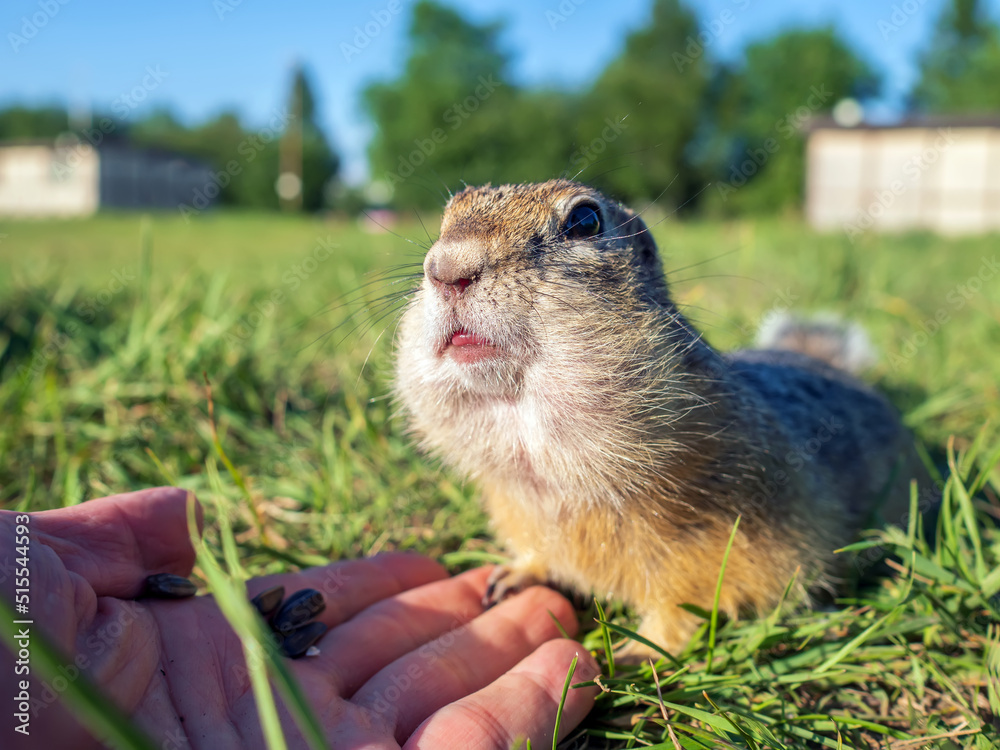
column 543, row 357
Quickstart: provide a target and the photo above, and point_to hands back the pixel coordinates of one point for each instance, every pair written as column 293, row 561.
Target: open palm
column 410, row 659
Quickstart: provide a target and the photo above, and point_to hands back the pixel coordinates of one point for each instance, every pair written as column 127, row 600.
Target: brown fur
column 616, row 448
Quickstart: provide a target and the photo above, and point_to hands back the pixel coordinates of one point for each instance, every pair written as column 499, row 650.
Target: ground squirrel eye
column 583, row 221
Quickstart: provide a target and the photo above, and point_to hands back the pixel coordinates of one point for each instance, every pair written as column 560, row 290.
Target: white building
column 940, row 173
column 73, row 178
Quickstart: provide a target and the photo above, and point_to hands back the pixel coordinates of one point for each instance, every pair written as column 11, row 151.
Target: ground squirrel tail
column 833, row 340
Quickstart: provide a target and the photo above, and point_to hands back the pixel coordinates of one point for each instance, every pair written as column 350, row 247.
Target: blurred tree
column 642, row 112
column 960, row 68
column 305, row 143
column 763, row 108
column 453, row 116
column 24, row 122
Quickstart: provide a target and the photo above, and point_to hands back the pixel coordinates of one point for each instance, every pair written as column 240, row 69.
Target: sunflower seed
column 297, row 610
column 269, row 600
column 168, row 586
column 298, row 642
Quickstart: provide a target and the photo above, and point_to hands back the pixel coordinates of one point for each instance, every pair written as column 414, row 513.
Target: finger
column 521, row 705
column 353, row 652
column 464, row 660
column 115, row 542
column 350, row 586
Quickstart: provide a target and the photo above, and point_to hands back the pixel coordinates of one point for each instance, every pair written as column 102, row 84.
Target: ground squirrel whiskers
column 544, row 358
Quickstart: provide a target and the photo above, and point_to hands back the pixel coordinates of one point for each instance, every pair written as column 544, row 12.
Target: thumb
column 115, row 542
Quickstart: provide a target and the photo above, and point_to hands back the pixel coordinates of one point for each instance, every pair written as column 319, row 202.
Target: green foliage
column 28, row 123
column 654, row 90
column 454, row 116
column 765, row 106
column 961, row 65
column 661, row 122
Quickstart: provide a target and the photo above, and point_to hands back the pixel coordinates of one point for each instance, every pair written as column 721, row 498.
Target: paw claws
column 506, row 581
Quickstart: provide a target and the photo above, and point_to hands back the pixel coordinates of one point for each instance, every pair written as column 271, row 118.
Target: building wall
column 76, row 179
column 39, row 180
column 132, row 179
column 885, row 179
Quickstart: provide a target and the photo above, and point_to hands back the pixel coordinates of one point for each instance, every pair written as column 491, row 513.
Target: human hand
column 410, row 659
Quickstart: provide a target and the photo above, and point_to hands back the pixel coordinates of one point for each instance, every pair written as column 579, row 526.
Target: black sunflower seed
column 297, row 610
column 296, row 643
column 168, row 586
column 269, row 600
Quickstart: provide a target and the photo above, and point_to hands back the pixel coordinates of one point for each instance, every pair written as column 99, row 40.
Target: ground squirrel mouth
column 463, row 337
column 466, row 346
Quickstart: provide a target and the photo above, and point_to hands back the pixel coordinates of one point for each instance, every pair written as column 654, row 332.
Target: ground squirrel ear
column 634, row 229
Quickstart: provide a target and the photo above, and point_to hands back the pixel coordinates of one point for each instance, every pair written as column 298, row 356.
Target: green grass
column 109, row 328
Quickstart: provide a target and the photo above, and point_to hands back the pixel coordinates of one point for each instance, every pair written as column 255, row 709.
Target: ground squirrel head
column 543, row 315
column 540, row 230
column 512, row 263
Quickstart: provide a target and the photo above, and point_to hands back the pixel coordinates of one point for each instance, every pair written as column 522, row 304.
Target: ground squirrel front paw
column 509, row 579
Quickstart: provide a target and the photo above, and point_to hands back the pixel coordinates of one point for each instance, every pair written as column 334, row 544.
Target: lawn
column 111, row 328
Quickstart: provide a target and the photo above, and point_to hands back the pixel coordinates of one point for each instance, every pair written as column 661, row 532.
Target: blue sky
column 209, row 55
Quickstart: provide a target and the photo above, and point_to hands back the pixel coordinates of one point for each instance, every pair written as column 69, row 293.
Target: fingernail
column 168, row 586
column 269, row 600
column 297, row 610
column 299, row 641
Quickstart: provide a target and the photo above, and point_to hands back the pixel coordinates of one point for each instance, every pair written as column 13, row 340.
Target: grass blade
column 606, row 637
column 562, row 701
column 98, row 714
column 713, row 622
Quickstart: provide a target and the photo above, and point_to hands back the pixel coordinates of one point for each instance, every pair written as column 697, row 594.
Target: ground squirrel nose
column 448, row 276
